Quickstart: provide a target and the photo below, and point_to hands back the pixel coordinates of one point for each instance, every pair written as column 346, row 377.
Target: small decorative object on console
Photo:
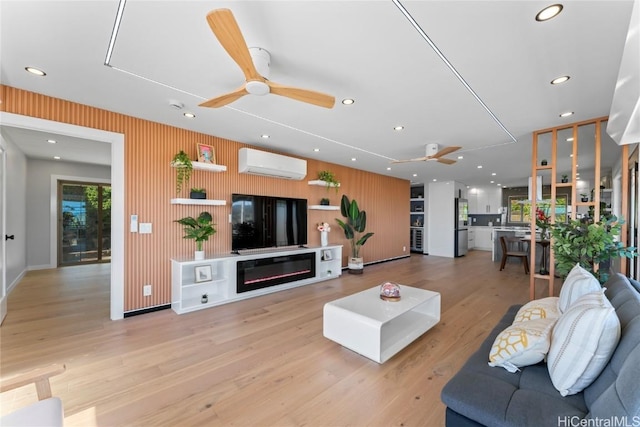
column 390, row 291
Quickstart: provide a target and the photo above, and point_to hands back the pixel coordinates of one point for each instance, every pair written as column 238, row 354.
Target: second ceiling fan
column 434, row 153
column 226, row 29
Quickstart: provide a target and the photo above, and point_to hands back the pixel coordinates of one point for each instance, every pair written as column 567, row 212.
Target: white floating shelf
column 323, row 183
column 209, row 167
column 324, row 208
column 201, row 202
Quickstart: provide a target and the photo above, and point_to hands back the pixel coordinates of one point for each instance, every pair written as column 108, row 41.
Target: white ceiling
column 365, row 50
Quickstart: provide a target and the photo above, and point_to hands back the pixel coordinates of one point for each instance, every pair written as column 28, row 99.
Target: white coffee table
column 378, row 329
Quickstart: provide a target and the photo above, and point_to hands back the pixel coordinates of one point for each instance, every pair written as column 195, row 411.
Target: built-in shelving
column 209, row 167
column 216, row 276
column 324, row 208
column 416, row 221
column 198, row 202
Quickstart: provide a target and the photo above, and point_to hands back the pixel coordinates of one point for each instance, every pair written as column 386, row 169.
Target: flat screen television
column 267, row 222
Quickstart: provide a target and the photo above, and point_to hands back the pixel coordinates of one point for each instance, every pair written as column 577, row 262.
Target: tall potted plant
column 354, row 226
column 588, row 244
column 199, row 229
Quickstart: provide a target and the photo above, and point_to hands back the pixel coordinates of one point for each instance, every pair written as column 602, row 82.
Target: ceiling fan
column 250, row 60
column 432, row 153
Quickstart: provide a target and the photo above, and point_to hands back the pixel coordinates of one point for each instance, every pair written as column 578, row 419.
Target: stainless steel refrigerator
column 461, row 240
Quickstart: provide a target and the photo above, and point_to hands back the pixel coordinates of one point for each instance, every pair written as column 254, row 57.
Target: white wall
column 39, row 214
column 16, row 221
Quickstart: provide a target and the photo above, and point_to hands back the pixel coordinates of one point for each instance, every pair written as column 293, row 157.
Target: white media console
column 229, row 278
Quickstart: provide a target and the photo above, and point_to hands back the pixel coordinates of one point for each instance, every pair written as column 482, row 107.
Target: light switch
column 134, row 224
column 145, row 228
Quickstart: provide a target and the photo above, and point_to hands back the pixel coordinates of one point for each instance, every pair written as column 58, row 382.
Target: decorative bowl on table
column 390, row 291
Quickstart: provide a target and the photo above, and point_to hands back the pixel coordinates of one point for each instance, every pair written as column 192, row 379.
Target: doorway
column 84, row 223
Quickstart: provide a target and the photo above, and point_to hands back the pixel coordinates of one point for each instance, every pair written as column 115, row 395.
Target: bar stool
column 507, row 251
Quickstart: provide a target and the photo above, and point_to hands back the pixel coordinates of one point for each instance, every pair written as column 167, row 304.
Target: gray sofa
column 481, row 395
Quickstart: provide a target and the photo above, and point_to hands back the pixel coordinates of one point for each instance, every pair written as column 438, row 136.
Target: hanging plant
column 330, row 178
column 184, row 167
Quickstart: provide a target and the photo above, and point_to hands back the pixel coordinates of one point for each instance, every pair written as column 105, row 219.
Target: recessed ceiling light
column 559, row 80
column 35, row 71
column 499, row 184
column 316, row 149
column 56, row 157
column 479, row 166
column 435, row 180
column 570, row 139
column 189, row 115
column 571, row 155
column 460, row 157
column 388, row 169
column 549, row 12
column 493, row 174
column 264, row 136
column 398, row 128
column 353, row 159
column 415, row 174
column 567, row 114
column 577, row 178
column 492, row 182
column 348, row 101
column 51, row 141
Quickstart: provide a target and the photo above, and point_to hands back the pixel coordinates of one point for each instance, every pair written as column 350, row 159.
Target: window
column 520, row 208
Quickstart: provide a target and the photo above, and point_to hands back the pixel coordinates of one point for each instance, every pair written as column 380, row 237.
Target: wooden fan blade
column 228, row 33
column 223, row 100
column 417, row 159
column 446, row 161
column 304, row 95
column 445, row 151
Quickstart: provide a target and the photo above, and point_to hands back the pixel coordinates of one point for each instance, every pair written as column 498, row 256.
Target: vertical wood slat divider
column 150, row 184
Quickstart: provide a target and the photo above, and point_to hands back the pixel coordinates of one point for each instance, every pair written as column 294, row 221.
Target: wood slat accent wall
column 150, row 184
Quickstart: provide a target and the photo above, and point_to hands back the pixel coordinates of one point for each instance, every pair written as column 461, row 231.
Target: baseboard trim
column 146, row 310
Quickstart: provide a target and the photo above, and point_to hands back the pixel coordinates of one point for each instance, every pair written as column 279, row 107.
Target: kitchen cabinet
column 417, row 220
column 484, row 238
column 485, row 200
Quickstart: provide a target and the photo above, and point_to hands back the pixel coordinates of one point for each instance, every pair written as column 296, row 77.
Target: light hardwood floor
column 258, row 362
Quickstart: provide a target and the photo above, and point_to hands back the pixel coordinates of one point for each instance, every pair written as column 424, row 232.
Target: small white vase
column 324, row 238
column 199, row 255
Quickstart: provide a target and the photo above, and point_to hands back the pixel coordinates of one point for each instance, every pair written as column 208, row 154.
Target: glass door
column 84, row 232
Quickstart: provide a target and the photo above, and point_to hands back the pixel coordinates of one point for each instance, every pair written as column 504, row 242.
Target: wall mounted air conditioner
column 258, row 162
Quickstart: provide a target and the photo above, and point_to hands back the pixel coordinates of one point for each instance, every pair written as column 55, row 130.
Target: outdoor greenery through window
column 520, row 209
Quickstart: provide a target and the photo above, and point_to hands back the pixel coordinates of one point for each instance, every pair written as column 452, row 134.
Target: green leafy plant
column 354, row 226
column 199, row 229
column 198, row 190
column 184, row 167
column 330, row 178
column 588, row 244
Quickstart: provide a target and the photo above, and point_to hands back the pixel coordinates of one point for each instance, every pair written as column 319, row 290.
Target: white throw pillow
column 522, row 344
column 544, row 308
column 578, row 282
column 583, row 340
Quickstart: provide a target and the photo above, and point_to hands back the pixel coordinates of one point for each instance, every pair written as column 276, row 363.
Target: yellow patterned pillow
column 544, row 308
column 522, row 344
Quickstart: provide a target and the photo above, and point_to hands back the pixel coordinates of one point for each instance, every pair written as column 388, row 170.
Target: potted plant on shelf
column 330, row 178
column 543, row 162
column 565, row 178
column 198, row 193
column 184, row 167
column 354, row 226
column 589, row 244
column 324, row 202
column 199, row 229
column 584, row 197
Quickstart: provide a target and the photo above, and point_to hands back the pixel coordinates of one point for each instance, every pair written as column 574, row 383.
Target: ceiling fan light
column 255, row 87
column 549, row 12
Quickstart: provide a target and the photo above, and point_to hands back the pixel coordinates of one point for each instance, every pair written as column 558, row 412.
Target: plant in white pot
column 354, row 228
column 199, row 229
